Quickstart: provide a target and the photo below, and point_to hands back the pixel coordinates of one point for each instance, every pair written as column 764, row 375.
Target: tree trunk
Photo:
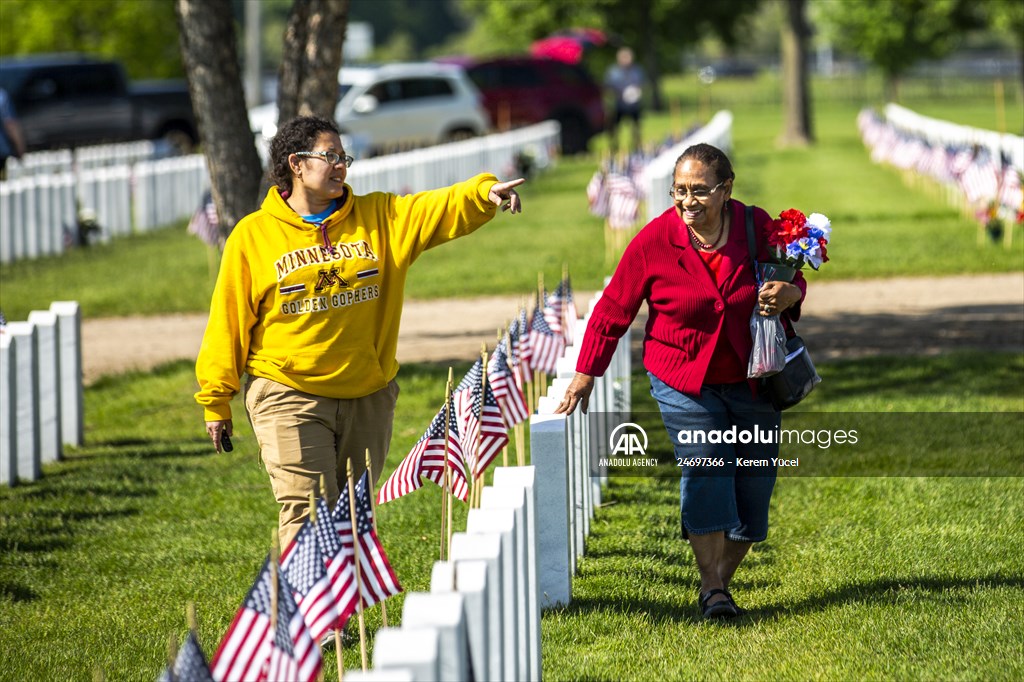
column 650, row 58
column 210, row 56
column 797, row 130
column 308, row 79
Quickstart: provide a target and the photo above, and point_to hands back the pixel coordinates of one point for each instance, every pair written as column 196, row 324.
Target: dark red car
column 523, row 90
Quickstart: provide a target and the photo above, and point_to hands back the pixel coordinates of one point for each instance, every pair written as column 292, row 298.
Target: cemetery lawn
column 860, row 578
column 881, row 228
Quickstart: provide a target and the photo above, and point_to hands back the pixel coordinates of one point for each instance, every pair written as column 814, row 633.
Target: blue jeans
column 719, row 493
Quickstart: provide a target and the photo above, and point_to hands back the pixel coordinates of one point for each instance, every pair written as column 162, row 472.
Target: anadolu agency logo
column 628, row 447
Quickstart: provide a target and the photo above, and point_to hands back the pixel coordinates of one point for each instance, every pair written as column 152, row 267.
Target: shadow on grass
column 878, row 592
column 14, row 592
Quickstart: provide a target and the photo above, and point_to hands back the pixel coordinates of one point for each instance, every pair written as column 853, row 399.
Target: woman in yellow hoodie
column 308, row 303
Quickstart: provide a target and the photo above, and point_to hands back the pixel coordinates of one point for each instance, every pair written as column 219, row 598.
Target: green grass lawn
column 860, row 578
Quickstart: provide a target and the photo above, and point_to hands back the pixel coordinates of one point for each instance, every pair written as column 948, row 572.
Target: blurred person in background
column 308, row 303
column 12, row 140
column 625, row 81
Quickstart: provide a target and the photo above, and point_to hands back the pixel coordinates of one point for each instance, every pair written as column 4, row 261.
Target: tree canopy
column 894, row 35
column 141, row 34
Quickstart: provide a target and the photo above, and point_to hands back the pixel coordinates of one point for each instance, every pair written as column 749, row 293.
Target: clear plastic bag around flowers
column 768, row 356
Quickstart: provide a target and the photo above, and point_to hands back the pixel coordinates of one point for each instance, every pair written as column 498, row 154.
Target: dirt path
column 841, row 319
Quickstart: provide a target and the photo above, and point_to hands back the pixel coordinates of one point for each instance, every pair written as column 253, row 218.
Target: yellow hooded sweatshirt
column 324, row 321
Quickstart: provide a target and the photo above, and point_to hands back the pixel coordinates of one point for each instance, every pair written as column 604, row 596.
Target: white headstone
column 548, row 455
column 442, row 577
column 487, row 548
column 72, row 393
column 23, row 335
column 512, row 498
column 471, row 582
column 8, row 411
column 507, row 477
column 503, row 522
column 48, row 359
column 417, row 650
column 443, row 612
column 386, row 675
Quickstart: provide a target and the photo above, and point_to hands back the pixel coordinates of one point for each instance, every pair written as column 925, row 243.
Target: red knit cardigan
column 687, row 311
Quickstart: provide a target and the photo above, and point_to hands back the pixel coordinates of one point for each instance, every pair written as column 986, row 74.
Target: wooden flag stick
column 355, row 554
column 446, row 503
column 275, row 550
column 483, row 402
column 172, row 653
column 373, row 510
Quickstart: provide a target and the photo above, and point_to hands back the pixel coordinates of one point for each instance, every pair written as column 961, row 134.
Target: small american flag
column 980, row 180
column 481, row 425
column 341, row 571
column 250, row 651
column 561, row 306
column 1010, row 193
column 623, row 201
column 306, row 572
column 507, row 390
column 597, row 195
column 427, row 459
column 190, row 664
column 205, row 224
column 522, row 351
column 378, row 578
column 547, row 346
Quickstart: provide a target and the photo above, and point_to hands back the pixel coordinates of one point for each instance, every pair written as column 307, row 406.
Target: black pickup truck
column 74, row 100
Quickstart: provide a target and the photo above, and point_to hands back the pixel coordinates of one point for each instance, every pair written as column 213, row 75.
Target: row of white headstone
column 442, row 165
column 38, row 212
column 55, row 161
column 565, row 449
column 481, row 618
column 41, row 392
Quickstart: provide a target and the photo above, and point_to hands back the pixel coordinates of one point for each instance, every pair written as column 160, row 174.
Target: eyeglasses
column 330, row 157
column 680, row 193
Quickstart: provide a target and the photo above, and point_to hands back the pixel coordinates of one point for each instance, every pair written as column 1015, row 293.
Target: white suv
column 396, row 106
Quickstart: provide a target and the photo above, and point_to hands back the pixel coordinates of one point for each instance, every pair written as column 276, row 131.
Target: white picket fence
column 41, row 392
column 656, row 179
column 520, row 551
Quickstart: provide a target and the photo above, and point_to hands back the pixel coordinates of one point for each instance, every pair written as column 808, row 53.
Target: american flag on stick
column 340, row 568
column 521, row 351
column 252, row 651
column 306, row 572
column 427, row 458
column 378, row 579
column 546, row 345
column 483, row 429
column 507, row 390
column 562, row 304
column 189, row 665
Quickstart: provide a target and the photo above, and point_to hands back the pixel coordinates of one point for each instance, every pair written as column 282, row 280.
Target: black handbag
column 798, row 378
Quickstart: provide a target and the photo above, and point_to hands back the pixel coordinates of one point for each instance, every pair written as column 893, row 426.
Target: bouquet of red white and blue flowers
column 793, row 240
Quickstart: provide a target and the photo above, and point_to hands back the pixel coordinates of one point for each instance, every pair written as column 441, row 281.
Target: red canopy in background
column 568, row 46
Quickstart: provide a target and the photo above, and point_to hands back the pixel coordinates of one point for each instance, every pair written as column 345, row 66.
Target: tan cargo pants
column 303, row 436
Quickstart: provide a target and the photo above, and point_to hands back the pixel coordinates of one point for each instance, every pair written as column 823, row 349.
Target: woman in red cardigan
column 692, row 266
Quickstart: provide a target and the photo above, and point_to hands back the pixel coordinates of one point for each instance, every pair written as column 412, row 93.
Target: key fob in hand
column 225, row 441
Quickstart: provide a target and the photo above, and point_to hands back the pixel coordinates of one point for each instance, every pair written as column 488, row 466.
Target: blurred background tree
column 141, row 34
column 894, row 35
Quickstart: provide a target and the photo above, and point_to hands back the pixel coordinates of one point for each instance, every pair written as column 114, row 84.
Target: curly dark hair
column 712, row 157
column 297, row 135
